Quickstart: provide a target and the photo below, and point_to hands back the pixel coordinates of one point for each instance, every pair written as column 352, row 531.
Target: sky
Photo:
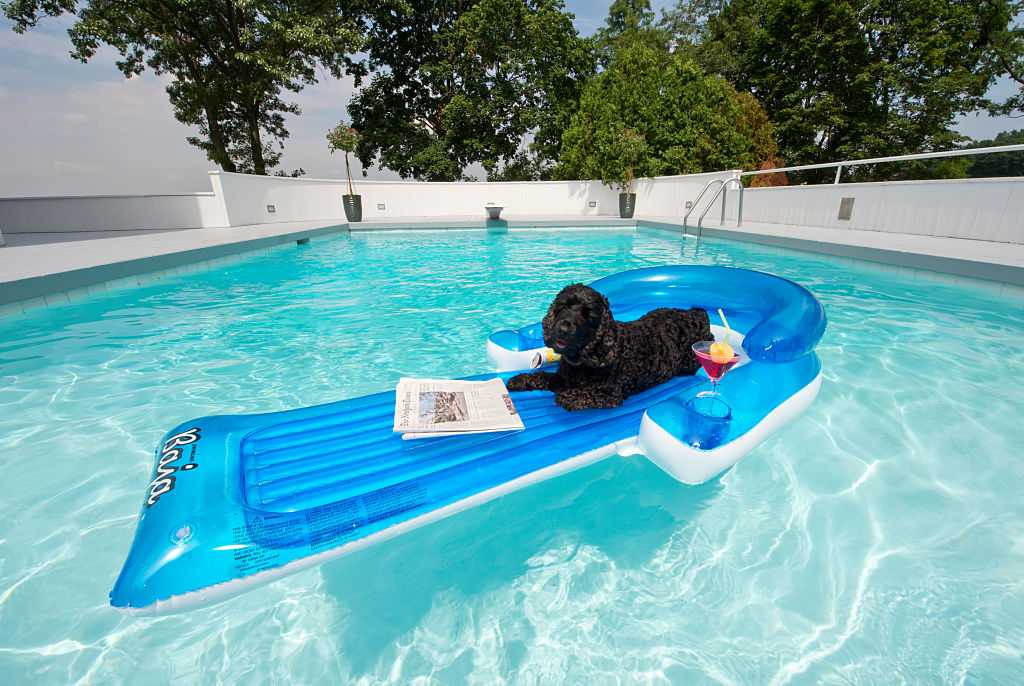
column 84, row 129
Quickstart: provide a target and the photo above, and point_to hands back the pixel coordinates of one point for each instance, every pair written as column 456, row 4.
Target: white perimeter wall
column 110, row 213
column 979, row 209
column 242, row 199
column 246, row 198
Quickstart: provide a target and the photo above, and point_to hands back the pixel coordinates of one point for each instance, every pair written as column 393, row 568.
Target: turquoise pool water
column 876, row 540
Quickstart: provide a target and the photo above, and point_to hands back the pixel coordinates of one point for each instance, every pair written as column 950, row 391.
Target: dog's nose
column 563, row 329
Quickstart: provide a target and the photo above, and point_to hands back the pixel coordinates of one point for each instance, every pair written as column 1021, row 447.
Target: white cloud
column 48, row 42
column 328, row 98
column 76, row 117
column 128, row 98
column 61, row 166
column 3, row 92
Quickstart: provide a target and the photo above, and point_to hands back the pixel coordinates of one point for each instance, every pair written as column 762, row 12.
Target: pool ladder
column 721, row 187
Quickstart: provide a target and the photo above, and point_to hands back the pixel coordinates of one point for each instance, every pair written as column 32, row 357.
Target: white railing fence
column 980, row 209
column 839, row 166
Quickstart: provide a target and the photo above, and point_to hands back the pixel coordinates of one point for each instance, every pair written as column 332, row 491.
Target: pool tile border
column 965, row 273
column 85, row 282
column 59, row 298
column 57, row 289
column 970, row 283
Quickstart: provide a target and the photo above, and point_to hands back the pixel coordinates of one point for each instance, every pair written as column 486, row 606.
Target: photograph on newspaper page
column 434, row 407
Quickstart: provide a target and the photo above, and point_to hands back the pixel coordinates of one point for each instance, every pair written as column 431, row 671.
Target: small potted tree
column 629, row 145
column 344, row 137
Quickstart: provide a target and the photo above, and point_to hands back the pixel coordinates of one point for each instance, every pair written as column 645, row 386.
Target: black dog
column 605, row 361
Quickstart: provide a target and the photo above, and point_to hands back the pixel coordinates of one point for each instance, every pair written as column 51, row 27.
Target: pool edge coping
column 21, row 296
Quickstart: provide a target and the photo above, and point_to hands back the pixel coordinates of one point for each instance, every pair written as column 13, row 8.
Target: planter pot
column 627, row 203
column 353, row 207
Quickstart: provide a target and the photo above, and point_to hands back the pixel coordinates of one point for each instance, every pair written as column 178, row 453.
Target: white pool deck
column 44, row 269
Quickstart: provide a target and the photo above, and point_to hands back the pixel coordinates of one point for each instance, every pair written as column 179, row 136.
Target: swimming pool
column 875, row 540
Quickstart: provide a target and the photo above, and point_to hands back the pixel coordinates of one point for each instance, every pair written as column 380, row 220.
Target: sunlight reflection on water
column 865, row 543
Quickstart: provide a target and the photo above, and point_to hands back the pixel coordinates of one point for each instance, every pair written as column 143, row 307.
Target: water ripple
column 866, row 543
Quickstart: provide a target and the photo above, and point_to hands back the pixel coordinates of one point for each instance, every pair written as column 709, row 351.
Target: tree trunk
column 348, row 174
column 259, row 165
column 220, row 150
column 219, row 154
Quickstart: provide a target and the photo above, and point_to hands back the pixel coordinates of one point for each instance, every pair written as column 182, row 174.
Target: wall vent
column 845, row 209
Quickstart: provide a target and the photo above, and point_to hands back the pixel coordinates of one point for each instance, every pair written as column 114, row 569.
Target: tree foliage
column 629, row 145
column 627, row 17
column 1000, row 163
column 847, row 80
column 466, row 81
column 1007, row 38
column 231, row 59
column 691, row 121
column 628, row 21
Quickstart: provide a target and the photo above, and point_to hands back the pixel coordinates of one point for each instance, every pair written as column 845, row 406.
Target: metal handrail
column 739, row 213
column 898, row 158
column 693, row 205
column 725, row 184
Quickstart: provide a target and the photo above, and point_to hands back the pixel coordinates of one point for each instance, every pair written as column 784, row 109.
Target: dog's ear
column 548, row 322
column 602, row 351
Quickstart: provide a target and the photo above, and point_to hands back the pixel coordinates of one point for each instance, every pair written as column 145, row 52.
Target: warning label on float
column 337, row 521
column 263, row 540
column 388, row 502
column 344, row 520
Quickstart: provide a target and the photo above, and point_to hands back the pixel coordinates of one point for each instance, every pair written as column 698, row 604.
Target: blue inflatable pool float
column 239, row 501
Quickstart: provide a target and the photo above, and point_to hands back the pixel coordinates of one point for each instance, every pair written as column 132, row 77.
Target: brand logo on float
column 163, row 479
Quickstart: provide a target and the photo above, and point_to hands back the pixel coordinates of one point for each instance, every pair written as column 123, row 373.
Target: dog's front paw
column 519, row 382
column 588, row 399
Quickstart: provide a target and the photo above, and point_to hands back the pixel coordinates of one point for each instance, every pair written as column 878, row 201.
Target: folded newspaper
column 440, row 407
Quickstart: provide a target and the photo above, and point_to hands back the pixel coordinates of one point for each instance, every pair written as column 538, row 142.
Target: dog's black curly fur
column 605, row 361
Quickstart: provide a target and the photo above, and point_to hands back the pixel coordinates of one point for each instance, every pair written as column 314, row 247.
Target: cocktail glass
column 716, row 366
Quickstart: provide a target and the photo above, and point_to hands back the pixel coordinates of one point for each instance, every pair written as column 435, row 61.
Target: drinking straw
column 726, row 322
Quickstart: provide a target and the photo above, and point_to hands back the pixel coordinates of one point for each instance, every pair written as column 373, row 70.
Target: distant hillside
column 998, row 164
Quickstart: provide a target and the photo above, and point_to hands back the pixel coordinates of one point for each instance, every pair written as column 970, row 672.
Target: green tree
column 469, row 81
column 848, row 80
column 691, row 121
column 627, row 20
column 629, row 145
column 231, row 59
column 999, row 163
column 627, row 16
column 1007, row 39
column 343, row 137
